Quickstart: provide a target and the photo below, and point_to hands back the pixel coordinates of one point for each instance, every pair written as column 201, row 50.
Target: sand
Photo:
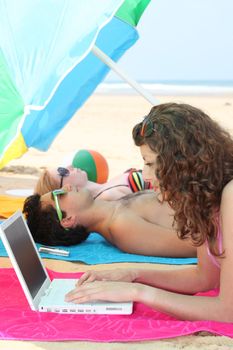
column 104, row 124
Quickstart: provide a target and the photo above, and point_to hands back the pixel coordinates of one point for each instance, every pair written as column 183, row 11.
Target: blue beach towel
column 96, row 250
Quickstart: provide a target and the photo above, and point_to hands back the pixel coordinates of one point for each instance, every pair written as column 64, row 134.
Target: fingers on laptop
column 108, row 291
column 88, row 276
column 91, row 276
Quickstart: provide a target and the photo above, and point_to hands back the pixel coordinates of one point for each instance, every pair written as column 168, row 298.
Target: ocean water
column 211, row 88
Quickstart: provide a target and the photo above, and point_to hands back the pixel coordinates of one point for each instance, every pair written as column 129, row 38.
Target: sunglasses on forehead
column 62, row 172
column 147, row 128
column 55, row 195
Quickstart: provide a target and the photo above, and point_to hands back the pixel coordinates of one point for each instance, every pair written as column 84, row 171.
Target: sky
column 182, row 41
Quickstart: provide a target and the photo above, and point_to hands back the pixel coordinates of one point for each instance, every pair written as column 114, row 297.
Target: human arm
column 178, row 305
column 189, row 307
column 218, row 308
column 187, row 280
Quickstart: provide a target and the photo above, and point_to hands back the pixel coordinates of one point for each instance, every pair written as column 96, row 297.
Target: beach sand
column 104, row 124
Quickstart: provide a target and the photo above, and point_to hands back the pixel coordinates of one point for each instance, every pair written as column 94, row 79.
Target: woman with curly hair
column 191, row 157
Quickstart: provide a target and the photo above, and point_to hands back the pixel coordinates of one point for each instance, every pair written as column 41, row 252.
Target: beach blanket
column 9, row 205
column 19, row 322
column 96, row 250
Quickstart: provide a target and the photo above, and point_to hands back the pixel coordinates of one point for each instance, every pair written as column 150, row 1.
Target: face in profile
column 70, row 201
column 149, row 168
column 73, row 176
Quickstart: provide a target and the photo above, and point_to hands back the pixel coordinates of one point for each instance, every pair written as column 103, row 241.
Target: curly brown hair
column 194, row 163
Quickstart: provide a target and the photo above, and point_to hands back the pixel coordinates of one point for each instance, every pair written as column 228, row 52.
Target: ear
column 68, row 222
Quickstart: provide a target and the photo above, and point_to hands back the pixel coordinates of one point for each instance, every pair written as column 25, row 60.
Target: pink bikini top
column 219, row 240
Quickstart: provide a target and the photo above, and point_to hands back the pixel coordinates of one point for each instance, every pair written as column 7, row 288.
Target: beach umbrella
column 51, row 61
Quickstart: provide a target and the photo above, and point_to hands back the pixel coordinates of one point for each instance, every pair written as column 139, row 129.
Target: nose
column 146, row 174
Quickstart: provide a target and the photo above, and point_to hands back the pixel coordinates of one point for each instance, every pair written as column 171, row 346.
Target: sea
column 167, row 88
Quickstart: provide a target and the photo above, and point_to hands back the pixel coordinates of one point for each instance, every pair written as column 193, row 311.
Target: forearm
column 185, row 280
column 183, row 306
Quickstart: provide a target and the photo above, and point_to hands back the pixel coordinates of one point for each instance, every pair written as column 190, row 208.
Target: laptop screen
column 25, row 255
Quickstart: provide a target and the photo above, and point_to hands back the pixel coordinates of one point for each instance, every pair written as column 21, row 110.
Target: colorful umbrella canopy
column 47, row 68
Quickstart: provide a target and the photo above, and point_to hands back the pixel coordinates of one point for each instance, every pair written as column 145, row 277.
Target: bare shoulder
column 227, row 199
column 226, row 216
column 228, row 189
column 226, row 222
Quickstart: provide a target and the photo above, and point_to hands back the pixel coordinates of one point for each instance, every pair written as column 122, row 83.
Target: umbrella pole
column 109, row 62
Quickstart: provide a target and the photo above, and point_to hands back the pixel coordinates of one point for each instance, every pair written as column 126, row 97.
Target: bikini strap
column 109, row 188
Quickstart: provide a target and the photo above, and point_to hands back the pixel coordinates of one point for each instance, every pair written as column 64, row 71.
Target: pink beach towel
column 18, row 321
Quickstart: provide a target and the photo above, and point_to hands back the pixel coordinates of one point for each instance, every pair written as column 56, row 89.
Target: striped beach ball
column 93, row 163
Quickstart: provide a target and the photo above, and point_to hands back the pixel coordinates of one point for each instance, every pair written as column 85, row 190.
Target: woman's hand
column 123, row 275
column 108, row 291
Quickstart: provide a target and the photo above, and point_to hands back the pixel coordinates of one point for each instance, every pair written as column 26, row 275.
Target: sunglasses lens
column 63, row 171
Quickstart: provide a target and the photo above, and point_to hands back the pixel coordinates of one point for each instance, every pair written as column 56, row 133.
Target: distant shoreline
column 168, row 88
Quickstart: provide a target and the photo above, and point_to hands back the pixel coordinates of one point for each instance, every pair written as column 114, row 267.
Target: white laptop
column 42, row 293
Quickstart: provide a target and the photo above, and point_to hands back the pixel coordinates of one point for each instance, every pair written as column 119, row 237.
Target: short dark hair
column 45, row 226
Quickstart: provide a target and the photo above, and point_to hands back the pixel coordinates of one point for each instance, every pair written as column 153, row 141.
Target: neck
column 94, row 188
column 96, row 217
